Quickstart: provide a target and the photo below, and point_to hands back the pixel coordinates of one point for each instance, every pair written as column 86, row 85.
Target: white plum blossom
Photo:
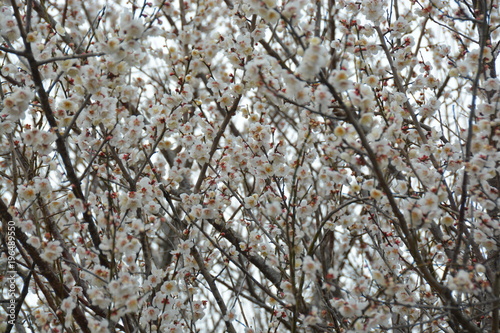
column 315, row 57
column 52, row 251
column 373, row 10
column 15, row 104
column 8, row 25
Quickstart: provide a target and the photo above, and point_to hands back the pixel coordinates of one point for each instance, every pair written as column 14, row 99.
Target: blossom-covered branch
column 249, row 166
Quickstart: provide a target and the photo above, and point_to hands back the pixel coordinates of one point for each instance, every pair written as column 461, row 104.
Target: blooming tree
column 249, row 166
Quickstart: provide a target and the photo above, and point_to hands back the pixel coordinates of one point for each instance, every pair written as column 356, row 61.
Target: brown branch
column 409, row 239
column 45, row 269
column 271, row 274
column 13, row 51
column 230, row 113
column 74, row 56
column 42, row 12
column 62, row 148
column 213, row 288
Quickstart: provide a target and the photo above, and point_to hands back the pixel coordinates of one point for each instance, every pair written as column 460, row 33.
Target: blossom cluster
column 282, row 165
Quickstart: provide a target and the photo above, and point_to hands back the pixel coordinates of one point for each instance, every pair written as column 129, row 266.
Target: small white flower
column 273, row 209
column 60, row 29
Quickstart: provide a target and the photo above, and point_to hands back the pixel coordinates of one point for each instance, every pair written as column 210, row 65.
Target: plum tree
column 249, row 166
